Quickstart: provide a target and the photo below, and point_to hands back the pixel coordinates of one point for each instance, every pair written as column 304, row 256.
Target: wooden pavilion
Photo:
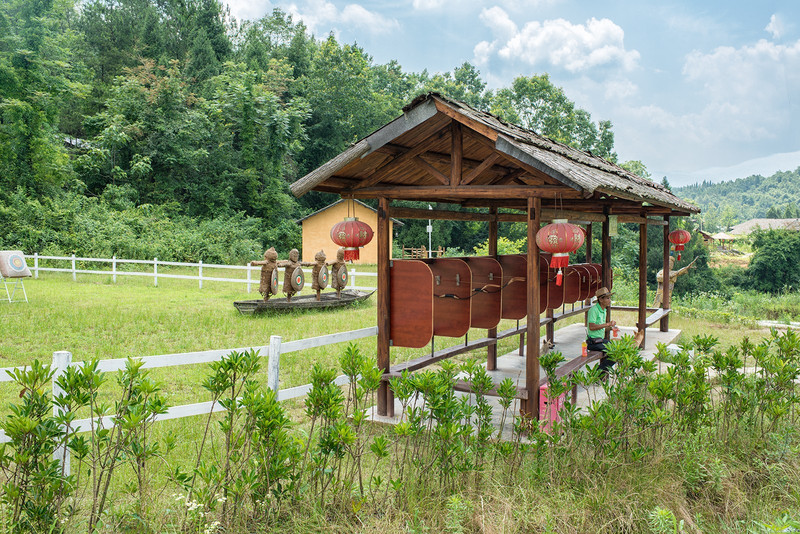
column 444, row 151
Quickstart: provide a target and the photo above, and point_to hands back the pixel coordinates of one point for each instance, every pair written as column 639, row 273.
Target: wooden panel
column 487, row 276
column 452, row 286
column 410, row 303
column 572, row 284
column 514, row 295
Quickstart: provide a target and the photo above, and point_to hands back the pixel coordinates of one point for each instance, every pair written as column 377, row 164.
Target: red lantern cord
column 560, row 238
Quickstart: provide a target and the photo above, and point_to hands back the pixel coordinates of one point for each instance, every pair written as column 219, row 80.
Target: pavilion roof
column 418, row 156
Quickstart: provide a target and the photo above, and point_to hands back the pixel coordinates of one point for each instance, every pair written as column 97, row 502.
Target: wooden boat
column 302, row 302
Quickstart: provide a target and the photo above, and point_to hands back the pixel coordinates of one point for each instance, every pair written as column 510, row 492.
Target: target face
column 322, row 278
column 12, row 264
column 298, row 279
column 273, row 283
column 342, row 276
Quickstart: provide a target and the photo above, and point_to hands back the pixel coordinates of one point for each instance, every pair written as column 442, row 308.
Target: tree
column 775, row 265
column 636, row 167
column 536, row 104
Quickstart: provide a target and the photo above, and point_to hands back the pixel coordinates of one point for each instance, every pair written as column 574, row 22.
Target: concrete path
column 568, row 341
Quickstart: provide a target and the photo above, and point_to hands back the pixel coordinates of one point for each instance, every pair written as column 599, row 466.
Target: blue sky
column 695, row 89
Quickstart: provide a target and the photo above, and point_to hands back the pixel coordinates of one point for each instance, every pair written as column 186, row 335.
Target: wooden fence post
column 200, row 274
column 353, row 278
column 274, row 363
column 74, row 274
column 155, row 272
column 61, row 361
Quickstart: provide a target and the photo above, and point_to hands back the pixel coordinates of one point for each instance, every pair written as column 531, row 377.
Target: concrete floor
column 568, row 341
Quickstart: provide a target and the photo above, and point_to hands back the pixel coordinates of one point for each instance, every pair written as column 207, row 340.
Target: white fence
column 62, row 360
column 155, row 263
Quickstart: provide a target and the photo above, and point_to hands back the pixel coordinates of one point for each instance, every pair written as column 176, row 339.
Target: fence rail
column 276, row 348
column 156, row 263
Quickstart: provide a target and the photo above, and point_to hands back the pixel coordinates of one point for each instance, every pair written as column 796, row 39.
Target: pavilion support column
column 642, row 319
column 457, row 153
column 665, row 302
column 588, row 260
column 531, row 406
column 491, row 357
column 605, row 253
column 385, row 395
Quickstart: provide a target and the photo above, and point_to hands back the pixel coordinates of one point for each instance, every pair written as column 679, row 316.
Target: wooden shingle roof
column 445, row 151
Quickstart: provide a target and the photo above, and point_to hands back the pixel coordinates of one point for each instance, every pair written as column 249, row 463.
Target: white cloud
column 557, row 43
column 775, row 27
column 620, row 89
column 249, row 9
column 513, row 5
column 322, row 15
column 424, row 5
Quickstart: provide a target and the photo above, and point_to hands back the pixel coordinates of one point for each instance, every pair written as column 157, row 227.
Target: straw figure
column 337, row 283
column 673, row 276
column 290, row 265
column 268, row 266
column 316, row 284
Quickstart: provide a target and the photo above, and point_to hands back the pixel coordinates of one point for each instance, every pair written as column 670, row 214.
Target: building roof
column 501, row 165
column 398, row 223
column 747, row 227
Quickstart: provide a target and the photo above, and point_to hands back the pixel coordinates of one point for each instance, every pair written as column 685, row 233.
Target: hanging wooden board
column 515, row 292
column 410, row 303
column 452, row 287
column 571, row 284
column 487, row 281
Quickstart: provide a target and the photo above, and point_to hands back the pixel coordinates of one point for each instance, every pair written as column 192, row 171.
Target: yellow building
column 317, row 230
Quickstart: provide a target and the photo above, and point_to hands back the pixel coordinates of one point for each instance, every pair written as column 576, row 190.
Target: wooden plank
column 456, row 153
column 424, row 361
column 409, row 120
column 477, row 171
column 533, row 165
column 479, row 127
column 430, row 169
column 410, row 304
column 452, row 287
column 381, row 171
column 487, row 278
column 514, row 298
column 491, row 353
column 657, row 316
column 314, row 178
column 464, row 192
column 531, row 405
column 665, row 299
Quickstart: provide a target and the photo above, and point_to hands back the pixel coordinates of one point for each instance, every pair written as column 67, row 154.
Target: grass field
column 94, row 317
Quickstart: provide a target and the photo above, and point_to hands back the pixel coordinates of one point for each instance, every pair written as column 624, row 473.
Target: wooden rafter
column 477, row 171
column 379, row 172
column 430, row 169
column 464, row 192
column 456, row 153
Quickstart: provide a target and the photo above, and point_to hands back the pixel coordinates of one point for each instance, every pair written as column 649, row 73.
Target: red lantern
column 679, row 238
column 351, row 234
column 560, row 238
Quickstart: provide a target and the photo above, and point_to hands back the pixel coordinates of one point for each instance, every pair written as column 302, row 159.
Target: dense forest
column 725, row 204
column 166, row 128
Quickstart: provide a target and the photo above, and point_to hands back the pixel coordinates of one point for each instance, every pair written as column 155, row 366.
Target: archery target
column 12, row 264
column 298, row 279
column 322, row 277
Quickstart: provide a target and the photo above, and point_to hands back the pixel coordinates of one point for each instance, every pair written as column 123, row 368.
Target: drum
column 298, row 279
column 322, row 277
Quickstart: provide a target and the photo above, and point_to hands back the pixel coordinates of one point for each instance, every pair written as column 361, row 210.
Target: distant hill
column 727, row 203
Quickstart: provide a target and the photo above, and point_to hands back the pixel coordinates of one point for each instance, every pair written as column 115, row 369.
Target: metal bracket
column 458, row 279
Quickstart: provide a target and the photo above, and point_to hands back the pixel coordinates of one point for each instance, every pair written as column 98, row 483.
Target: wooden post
column 61, row 361
column 385, row 397
column 531, row 405
column 605, row 253
column 274, row 363
column 588, row 260
column 667, row 296
column 642, row 281
column 491, row 356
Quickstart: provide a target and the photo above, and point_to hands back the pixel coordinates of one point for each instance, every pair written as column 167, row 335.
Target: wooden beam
column 605, row 255
column 642, row 319
column 379, row 172
column 510, row 177
column 491, row 356
column 456, row 153
column 316, row 177
column 448, row 215
column 663, row 326
column 385, row 397
column 479, row 127
column 477, row 171
column 464, row 192
column 639, row 220
column 430, row 169
column 443, row 158
column 531, row 406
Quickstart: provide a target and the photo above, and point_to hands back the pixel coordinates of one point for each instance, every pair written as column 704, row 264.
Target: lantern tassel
column 350, row 254
column 559, row 278
column 559, row 261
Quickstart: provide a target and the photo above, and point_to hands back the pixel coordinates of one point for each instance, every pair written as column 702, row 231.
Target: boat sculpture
column 303, row 302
